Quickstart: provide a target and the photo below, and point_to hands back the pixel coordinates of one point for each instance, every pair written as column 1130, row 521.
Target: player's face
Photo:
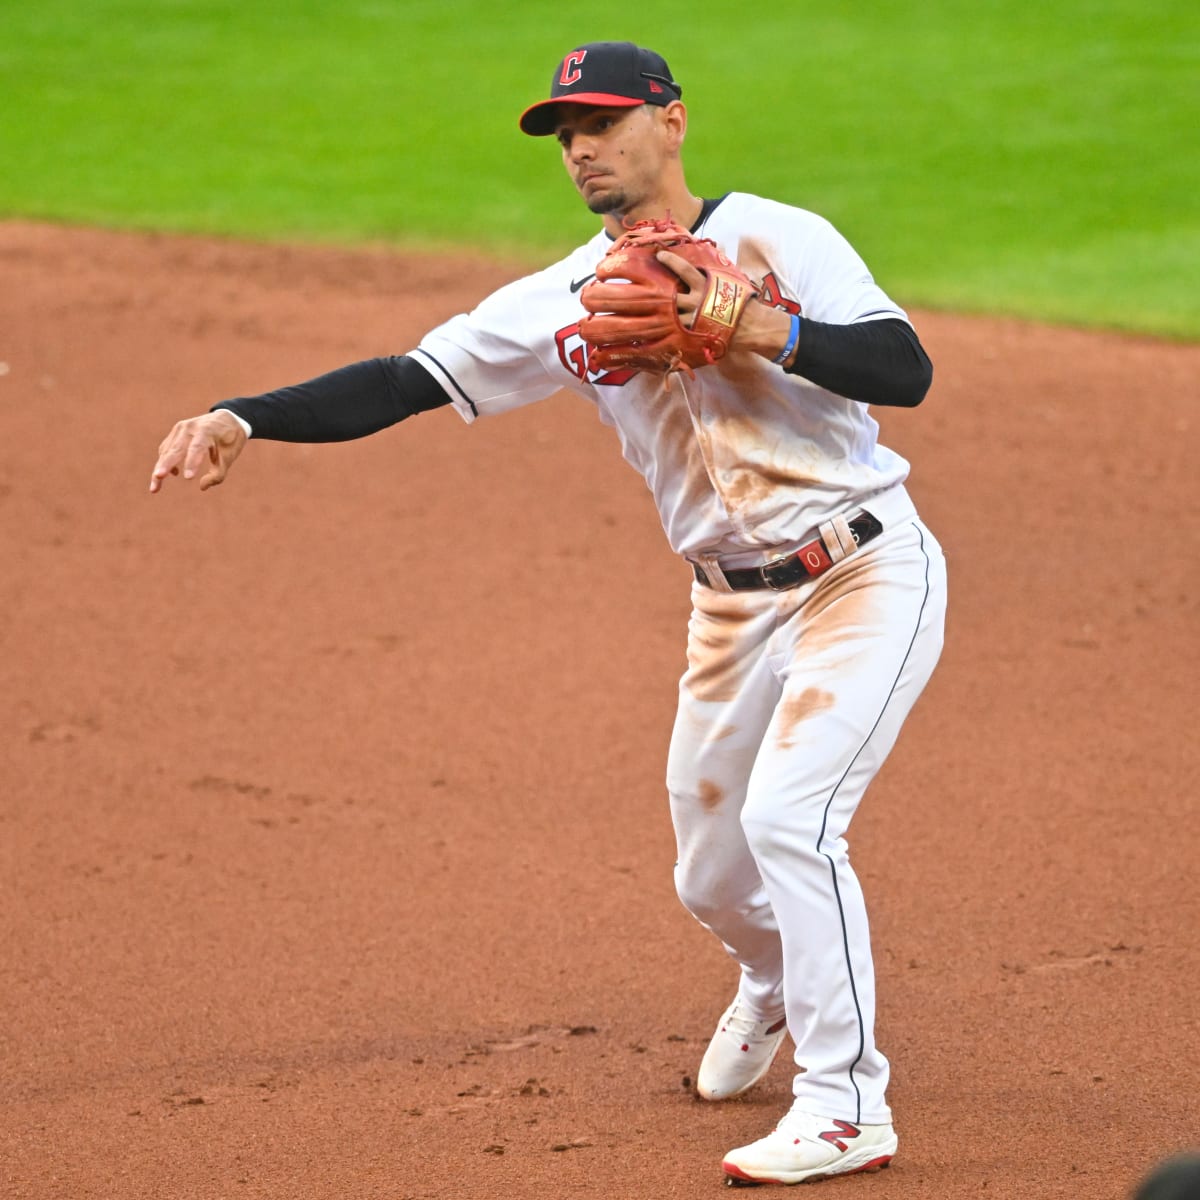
column 615, row 156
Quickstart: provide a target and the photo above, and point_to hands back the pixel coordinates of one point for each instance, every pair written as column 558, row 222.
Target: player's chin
column 606, row 201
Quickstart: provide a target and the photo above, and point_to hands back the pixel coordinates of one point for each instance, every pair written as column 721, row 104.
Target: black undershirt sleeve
column 877, row 362
column 348, row 403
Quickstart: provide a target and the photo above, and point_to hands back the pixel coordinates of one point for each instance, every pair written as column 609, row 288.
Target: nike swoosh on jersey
column 576, row 284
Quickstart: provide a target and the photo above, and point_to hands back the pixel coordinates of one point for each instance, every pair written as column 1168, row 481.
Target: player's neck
column 680, row 205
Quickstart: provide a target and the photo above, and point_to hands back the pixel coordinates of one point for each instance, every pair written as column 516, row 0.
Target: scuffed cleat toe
column 740, row 1054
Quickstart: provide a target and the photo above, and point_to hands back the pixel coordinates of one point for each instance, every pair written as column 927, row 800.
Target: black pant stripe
column 825, row 821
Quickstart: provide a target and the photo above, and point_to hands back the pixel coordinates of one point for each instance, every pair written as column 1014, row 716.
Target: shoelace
column 795, row 1121
column 746, row 1026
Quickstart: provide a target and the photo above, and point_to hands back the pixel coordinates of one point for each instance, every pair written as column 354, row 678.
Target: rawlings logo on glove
column 636, row 324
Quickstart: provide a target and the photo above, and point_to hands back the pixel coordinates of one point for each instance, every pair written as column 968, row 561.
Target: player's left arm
column 853, row 339
column 877, row 360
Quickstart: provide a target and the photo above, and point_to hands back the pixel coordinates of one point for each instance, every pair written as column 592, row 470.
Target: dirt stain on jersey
column 682, row 451
column 710, row 794
column 756, row 460
column 795, row 709
column 754, row 486
column 745, row 370
column 752, row 258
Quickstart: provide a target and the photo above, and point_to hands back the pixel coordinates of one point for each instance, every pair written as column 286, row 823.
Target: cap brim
column 538, row 120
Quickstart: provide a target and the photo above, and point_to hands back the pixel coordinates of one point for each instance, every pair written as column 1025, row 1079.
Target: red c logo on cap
column 570, row 68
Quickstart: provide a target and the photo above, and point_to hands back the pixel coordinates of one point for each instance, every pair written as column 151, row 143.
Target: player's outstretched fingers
column 215, row 438
column 170, row 454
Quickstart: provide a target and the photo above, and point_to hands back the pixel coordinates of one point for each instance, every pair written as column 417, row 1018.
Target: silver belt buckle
column 778, row 561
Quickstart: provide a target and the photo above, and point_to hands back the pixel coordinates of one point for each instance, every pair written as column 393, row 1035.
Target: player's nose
column 583, row 149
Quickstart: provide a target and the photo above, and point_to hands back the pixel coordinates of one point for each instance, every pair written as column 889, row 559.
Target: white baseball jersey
column 742, row 459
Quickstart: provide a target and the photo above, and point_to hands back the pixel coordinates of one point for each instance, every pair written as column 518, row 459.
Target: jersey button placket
column 702, row 422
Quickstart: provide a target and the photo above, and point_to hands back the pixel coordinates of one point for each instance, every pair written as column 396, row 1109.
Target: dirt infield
column 334, row 849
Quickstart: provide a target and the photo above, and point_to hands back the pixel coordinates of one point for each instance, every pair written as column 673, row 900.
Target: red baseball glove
column 636, row 323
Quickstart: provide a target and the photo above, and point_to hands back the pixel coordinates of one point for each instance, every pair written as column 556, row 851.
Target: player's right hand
column 215, row 439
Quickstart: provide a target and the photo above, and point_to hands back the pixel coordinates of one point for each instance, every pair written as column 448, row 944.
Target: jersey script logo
column 772, row 295
column 572, row 353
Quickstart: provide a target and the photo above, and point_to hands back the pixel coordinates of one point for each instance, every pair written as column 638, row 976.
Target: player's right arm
column 348, row 403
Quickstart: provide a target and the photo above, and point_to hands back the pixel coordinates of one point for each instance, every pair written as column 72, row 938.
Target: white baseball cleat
column 740, row 1054
column 805, row 1147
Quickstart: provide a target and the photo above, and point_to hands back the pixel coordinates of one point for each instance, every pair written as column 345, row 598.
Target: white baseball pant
column 789, row 706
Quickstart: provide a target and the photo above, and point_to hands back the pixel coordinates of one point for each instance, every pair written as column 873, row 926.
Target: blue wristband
column 793, row 338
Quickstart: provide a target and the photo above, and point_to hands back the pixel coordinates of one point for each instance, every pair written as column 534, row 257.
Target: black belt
column 796, row 568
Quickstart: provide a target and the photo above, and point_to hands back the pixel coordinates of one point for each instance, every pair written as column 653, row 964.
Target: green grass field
column 1029, row 159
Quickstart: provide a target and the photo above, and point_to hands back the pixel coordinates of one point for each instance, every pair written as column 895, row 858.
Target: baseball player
column 818, row 594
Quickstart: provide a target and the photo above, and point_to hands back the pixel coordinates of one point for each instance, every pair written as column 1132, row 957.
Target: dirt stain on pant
column 797, row 708
column 717, row 655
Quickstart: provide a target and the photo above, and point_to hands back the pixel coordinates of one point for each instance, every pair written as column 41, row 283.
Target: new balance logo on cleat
column 834, row 1136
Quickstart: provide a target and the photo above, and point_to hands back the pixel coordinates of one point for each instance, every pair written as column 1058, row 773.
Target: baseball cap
column 607, row 75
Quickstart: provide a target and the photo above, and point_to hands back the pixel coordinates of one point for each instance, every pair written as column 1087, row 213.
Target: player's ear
column 674, row 122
